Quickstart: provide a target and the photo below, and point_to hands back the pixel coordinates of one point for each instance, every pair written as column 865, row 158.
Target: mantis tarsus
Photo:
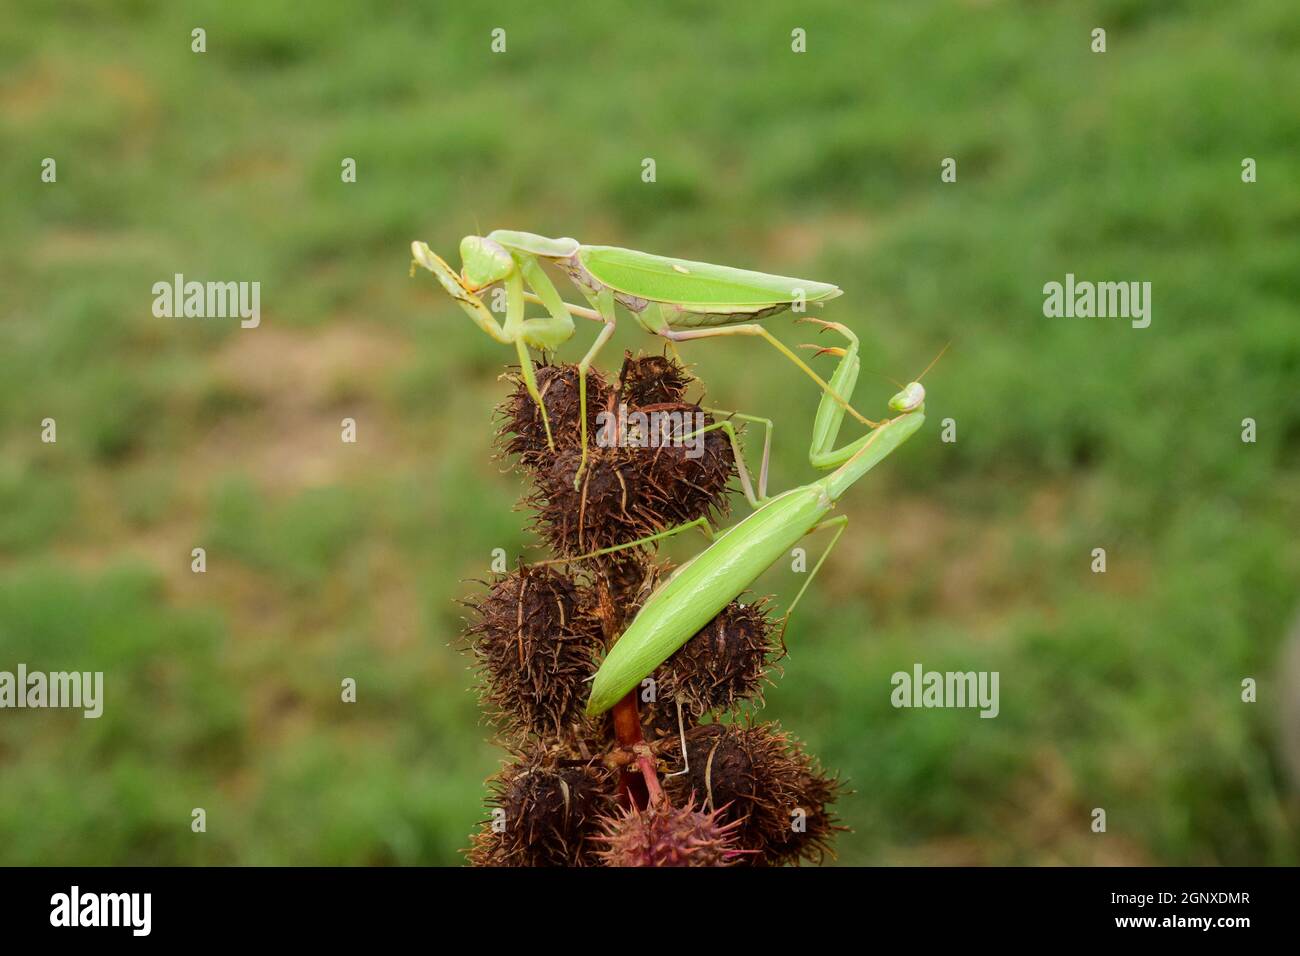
column 703, row 586
column 673, row 298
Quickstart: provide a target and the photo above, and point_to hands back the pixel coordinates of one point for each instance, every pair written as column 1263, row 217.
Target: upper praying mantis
column 673, row 298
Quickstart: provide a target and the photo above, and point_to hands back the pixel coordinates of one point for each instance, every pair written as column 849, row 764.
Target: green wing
column 681, row 281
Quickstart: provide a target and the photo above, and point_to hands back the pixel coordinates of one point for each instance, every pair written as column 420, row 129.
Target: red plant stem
column 636, row 791
column 647, row 765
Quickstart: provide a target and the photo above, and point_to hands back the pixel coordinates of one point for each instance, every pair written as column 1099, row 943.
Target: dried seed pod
column 760, row 776
column 725, row 663
column 602, row 511
column 628, row 493
column 636, row 484
column 651, row 380
column 520, row 430
column 684, row 478
column 536, row 638
column 544, row 814
column 666, row 836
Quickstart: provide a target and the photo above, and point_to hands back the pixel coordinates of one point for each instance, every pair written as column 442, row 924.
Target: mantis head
column 483, row 262
column 912, row 397
column 909, row 399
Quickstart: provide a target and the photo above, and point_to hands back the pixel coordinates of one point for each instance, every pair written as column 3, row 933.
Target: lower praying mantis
column 699, row 589
column 673, row 298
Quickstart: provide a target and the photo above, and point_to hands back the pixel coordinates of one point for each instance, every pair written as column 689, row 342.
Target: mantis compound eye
column 909, row 399
column 483, row 262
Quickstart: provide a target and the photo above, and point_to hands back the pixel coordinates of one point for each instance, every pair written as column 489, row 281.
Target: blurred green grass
column 329, row 560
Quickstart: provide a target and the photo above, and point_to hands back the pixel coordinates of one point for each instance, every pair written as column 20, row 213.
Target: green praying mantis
column 674, row 298
column 699, row 589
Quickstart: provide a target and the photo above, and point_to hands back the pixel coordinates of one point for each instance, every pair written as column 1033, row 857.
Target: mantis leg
column 450, row 280
column 840, row 524
column 701, row 523
column 767, row 446
column 830, row 415
column 682, row 335
column 738, row 453
column 530, row 383
column 604, row 302
column 514, row 330
column 579, row 311
column 755, row 501
column 547, row 332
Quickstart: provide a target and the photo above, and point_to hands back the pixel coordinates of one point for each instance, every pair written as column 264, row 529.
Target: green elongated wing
column 683, row 282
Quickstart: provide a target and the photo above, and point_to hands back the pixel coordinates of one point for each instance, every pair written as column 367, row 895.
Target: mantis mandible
column 673, row 298
column 703, row 586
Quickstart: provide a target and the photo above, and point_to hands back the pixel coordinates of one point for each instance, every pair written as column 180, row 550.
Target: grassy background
column 328, row 560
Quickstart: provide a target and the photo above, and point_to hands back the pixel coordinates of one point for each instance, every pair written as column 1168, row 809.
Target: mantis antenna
column 935, row 360
column 835, row 350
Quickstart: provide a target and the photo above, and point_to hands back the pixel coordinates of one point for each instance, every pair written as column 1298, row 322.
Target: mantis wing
column 683, row 282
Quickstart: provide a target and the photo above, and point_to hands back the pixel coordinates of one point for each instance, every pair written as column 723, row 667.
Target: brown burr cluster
column 617, row 790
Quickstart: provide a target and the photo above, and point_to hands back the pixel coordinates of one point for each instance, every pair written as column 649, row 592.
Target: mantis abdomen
column 718, row 575
column 703, row 586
